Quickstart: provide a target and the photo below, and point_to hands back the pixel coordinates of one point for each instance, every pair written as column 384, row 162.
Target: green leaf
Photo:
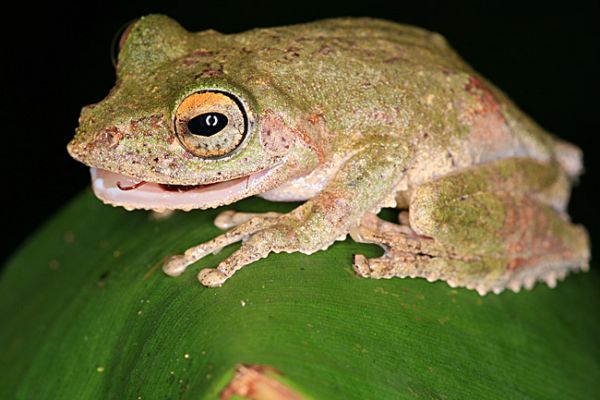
column 86, row 313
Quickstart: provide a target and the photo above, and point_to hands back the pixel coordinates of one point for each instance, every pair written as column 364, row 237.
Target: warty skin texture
column 356, row 114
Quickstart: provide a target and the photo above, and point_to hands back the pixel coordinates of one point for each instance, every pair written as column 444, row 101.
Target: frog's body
column 352, row 115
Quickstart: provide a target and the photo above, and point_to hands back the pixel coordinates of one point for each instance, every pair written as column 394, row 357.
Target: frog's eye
column 210, row 124
column 119, row 40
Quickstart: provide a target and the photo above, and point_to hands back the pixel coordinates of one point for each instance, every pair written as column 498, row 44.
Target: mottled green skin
column 394, row 106
column 366, row 80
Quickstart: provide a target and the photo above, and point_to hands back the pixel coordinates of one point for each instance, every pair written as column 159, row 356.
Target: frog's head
column 186, row 125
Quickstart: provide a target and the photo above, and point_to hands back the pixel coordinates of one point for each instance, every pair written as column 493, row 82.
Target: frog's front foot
column 260, row 235
column 212, row 277
column 176, row 265
column 245, row 225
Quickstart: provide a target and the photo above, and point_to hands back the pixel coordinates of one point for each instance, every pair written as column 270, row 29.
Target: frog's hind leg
column 483, row 229
column 414, row 256
column 408, row 255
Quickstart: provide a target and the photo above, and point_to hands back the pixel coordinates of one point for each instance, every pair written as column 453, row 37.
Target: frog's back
column 371, row 77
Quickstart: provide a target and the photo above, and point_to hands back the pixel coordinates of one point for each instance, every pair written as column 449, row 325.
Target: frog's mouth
column 131, row 193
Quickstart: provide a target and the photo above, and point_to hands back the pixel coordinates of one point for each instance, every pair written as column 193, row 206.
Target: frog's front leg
column 230, row 218
column 362, row 183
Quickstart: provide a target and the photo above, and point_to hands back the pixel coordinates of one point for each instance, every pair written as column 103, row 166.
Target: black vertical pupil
column 207, row 124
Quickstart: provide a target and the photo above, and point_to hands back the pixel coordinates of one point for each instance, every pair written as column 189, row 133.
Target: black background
column 56, row 58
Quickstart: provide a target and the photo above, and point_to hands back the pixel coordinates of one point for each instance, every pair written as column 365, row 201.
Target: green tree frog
column 349, row 115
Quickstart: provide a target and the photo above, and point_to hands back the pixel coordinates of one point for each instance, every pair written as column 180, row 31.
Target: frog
column 348, row 116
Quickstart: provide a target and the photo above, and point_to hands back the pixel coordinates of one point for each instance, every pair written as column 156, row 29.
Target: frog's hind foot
column 406, row 253
column 413, row 256
column 458, row 273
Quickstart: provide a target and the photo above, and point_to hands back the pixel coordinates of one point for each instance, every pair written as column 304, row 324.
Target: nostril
column 109, row 137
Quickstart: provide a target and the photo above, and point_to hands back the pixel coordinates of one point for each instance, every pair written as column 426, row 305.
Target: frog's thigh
column 496, row 218
column 545, row 182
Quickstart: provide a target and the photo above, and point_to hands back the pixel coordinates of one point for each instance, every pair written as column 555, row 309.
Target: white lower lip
column 153, row 196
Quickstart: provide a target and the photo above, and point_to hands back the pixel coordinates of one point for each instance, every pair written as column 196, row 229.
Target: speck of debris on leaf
column 69, row 237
